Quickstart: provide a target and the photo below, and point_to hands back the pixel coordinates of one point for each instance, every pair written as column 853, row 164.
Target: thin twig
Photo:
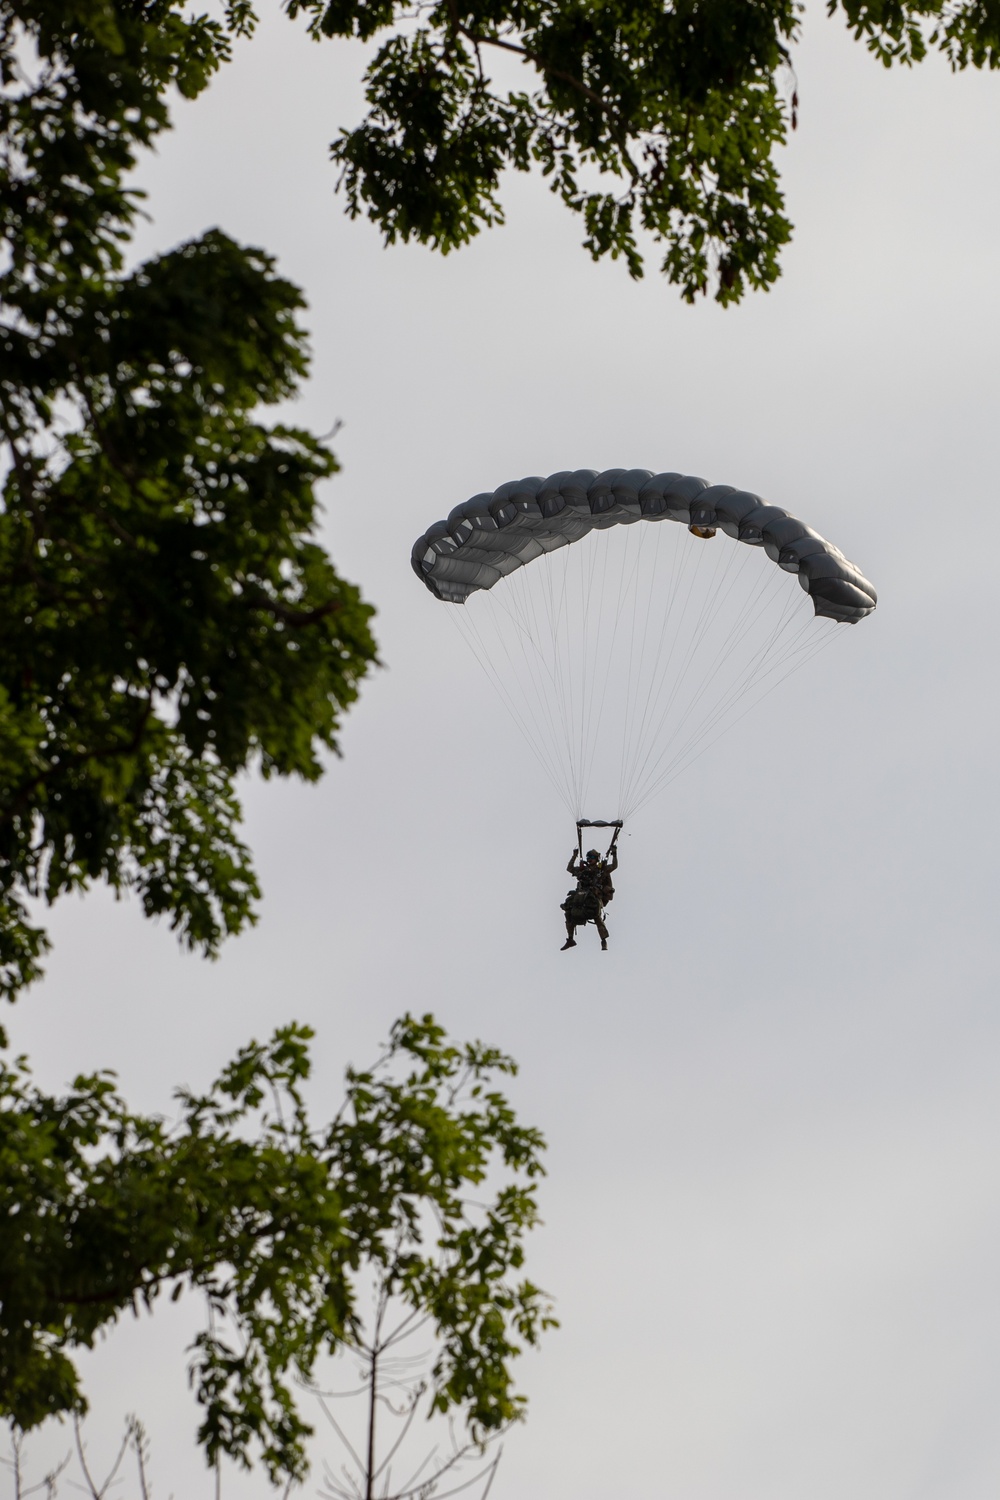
column 98, row 1494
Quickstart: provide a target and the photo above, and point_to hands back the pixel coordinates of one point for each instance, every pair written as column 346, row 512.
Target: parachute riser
column 581, row 823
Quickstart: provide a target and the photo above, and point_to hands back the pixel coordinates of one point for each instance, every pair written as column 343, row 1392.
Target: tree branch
column 298, row 619
column 528, row 56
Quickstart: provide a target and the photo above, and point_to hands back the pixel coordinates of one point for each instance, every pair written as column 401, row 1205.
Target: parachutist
column 594, row 889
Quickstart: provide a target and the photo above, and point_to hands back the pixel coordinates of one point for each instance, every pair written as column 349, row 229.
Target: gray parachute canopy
column 491, row 535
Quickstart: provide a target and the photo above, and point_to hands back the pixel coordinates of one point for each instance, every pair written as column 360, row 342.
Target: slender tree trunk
column 370, row 1476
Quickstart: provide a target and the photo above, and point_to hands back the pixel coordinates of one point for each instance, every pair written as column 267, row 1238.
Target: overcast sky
column 772, row 1220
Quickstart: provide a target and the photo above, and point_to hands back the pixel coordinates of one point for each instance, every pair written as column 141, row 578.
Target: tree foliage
column 967, row 32
column 642, row 118
column 663, row 119
column 275, row 1222
column 167, row 616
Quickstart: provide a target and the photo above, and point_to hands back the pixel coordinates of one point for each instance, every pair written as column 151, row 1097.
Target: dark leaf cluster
column 966, row 31
column 658, row 118
column 647, row 119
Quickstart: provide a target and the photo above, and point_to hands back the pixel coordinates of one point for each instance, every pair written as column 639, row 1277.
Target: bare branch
column 408, row 1423
column 140, row 1443
column 98, row 1494
column 340, row 1433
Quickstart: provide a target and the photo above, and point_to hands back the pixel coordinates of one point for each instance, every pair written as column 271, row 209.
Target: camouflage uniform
column 593, row 891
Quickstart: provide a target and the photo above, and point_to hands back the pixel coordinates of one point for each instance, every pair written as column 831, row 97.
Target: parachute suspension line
column 560, row 641
column 579, row 678
column 555, row 620
column 517, row 605
column 804, row 644
column 562, row 671
column 721, row 566
column 522, row 636
column 752, row 607
column 533, row 711
column 542, row 672
column 628, row 576
column 684, row 568
column 586, row 675
column 631, row 707
column 469, row 631
column 726, row 701
column 694, row 564
column 808, row 651
column 589, row 735
column 793, row 607
column 585, row 580
column 593, row 611
column 736, row 631
column 683, row 562
column 468, row 626
column 551, row 673
column 652, row 777
column 628, row 579
column 631, row 662
column 624, row 583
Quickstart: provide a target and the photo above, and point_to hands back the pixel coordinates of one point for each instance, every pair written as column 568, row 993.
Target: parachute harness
column 581, row 823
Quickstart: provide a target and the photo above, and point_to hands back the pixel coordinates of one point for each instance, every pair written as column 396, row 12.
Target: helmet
column 593, row 854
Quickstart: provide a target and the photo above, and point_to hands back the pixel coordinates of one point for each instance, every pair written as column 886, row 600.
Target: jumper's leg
column 602, row 930
column 570, row 939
